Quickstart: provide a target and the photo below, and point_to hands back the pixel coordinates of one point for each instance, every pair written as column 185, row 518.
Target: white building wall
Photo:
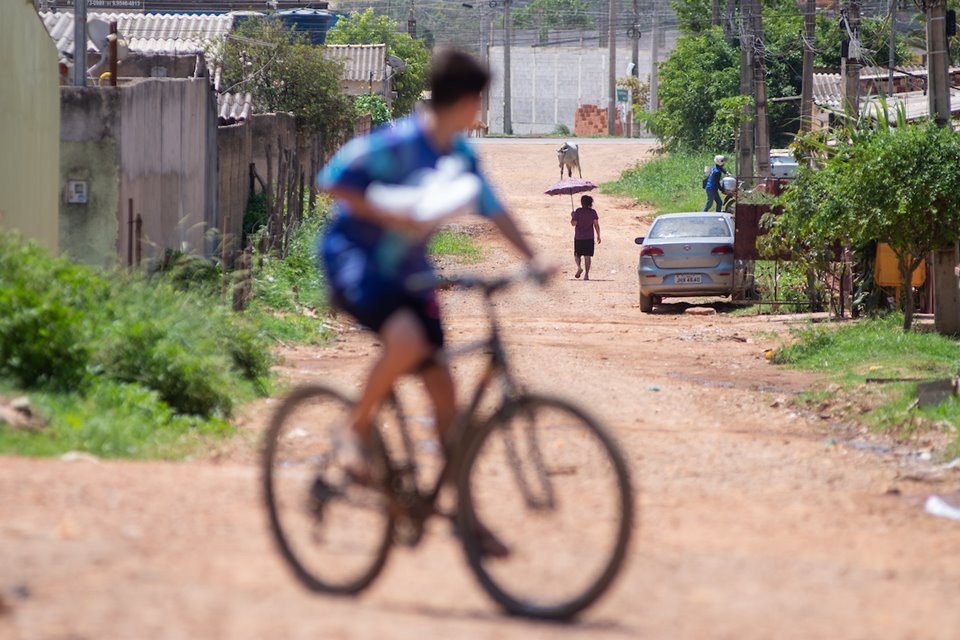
column 549, row 83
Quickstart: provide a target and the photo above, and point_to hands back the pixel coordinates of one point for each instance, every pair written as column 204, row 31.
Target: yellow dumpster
column 886, row 273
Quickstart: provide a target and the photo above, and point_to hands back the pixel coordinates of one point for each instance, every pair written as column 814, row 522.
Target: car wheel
column 646, row 303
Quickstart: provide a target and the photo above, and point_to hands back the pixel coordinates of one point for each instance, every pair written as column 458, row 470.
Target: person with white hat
column 712, row 183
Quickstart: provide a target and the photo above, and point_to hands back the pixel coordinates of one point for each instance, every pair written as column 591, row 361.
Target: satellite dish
column 397, row 63
column 97, row 31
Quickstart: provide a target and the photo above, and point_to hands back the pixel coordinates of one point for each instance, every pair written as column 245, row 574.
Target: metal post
column 745, row 155
column 612, row 71
column 80, row 43
column 938, row 93
column 762, row 140
column 130, row 232
column 806, row 91
column 485, row 62
column 411, row 22
column 654, row 53
column 508, row 36
column 113, row 54
column 891, row 58
column 850, row 63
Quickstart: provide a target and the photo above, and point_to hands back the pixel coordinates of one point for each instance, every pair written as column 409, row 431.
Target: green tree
column 897, row 185
column 285, row 73
column 544, row 15
column 376, row 106
column 700, row 72
column 369, row 28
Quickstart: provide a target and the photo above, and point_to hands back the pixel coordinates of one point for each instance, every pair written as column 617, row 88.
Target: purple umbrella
column 570, row 186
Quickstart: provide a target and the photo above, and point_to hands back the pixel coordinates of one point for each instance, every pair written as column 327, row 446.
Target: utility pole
column 612, row 71
column 485, row 62
column 891, row 58
column 80, row 43
column 508, row 36
column 806, row 90
column 729, row 21
column 938, row 84
column 762, row 141
column 635, row 39
column 947, row 296
column 850, row 60
column 654, row 54
column 745, row 152
column 411, row 22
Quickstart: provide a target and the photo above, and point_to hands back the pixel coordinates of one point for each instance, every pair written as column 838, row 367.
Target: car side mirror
column 639, row 240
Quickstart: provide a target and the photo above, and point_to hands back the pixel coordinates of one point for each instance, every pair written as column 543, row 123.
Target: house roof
column 145, row 33
column 234, row 107
column 828, row 90
column 362, row 62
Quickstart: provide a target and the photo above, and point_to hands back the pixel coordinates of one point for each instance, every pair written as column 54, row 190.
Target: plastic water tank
column 313, row 23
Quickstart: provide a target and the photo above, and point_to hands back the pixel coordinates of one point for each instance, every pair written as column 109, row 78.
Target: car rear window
column 698, row 227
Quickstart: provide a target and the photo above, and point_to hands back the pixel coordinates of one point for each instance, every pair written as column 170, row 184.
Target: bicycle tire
column 557, row 420
column 303, row 424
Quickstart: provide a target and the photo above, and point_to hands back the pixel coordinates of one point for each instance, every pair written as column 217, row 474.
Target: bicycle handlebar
column 487, row 285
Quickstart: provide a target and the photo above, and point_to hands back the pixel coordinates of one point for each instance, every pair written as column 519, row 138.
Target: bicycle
column 534, row 462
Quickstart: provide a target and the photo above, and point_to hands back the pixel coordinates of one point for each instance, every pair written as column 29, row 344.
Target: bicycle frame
column 420, row 505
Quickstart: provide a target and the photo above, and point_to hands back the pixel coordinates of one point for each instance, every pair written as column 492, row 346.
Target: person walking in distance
column 712, row 183
column 585, row 222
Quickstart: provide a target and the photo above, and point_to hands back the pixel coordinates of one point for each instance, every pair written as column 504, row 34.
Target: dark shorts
column 583, row 248
column 375, row 315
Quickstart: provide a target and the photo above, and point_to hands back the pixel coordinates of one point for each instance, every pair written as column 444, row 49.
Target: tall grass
column 670, row 183
column 111, row 355
column 455, row 244
column 879, row 348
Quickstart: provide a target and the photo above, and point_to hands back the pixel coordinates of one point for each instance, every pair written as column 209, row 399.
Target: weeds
column 879, row 348
column 671, row 183
column 455, row 244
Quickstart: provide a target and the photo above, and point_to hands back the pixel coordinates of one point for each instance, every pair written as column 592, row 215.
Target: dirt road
column 755, row 522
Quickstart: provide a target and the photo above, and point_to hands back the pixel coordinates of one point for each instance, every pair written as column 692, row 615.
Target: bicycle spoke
column 333, row 531
column 549, row 484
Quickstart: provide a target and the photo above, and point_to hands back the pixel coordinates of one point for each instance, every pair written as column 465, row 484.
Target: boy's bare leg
column 439, row 385
column 579, row 268
column 586, row 263
column 404, row 347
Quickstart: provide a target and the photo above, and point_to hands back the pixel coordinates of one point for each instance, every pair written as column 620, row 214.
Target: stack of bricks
column 591, row 120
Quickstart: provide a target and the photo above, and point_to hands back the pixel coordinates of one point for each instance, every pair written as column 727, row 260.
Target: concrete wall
column 168, row 160
column 29, row 125
column 549, row 83
column 234, row 153
column 89, row 151
column 153, row 141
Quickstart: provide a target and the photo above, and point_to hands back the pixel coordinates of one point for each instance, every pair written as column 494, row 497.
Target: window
column 698, row 227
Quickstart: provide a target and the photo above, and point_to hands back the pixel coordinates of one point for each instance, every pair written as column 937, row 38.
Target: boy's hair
column 586, row 201
column 455, row 74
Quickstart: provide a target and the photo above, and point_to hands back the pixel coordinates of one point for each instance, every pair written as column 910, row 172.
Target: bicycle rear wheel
column 333, row 532
column 550, row 484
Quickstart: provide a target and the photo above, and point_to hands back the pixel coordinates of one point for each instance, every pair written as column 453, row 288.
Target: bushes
column 67, row 327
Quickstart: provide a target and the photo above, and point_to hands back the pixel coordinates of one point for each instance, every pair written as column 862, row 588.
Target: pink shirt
column 584, row 219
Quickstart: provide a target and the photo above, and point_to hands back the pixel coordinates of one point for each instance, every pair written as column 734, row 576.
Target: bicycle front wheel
column 333, row 532
column 552, row 486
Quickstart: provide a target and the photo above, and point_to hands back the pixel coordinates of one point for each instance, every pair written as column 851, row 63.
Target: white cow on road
column 569, row 156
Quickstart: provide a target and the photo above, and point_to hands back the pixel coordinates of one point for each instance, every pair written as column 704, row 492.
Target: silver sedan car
column 686, row 254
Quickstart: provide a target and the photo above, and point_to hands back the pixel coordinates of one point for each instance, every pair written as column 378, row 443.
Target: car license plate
column 685, row 279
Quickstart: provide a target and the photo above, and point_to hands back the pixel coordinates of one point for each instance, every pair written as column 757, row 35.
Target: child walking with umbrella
column 585, row 222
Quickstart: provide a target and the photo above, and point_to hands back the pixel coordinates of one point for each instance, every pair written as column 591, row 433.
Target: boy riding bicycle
column 371, row 255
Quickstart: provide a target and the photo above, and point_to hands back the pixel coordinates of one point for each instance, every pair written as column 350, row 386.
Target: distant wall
column 549, row 83
column 155, row 142
column 29, row 125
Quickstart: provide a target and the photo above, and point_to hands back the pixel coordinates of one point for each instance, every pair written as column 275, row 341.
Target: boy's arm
column 362, row 208
column 573, row 218
column 596, row 226
column 509, row 229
